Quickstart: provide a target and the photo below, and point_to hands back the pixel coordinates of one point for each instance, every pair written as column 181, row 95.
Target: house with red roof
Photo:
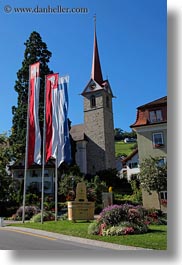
column 151, row 129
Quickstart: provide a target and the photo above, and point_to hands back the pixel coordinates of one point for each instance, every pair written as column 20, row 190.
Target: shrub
column 154, row 216
column 47, row 216
column 91, row 194
column 98, row 208
column 119, row 220
column 116, row 214
column 32, row 199
column 29, row 212
column 36, row 218
column 93, row 228
column 113, row 215
column 49, row 206
column 63, row 216
column 140, row 228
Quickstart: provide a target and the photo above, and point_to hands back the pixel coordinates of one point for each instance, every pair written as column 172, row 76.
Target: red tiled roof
column 157, row 102
column 142, row 118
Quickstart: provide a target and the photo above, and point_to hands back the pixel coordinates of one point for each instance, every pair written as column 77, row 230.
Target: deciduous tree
column 153, row 174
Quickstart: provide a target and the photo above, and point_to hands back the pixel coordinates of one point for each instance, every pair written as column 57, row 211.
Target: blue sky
column 132, row 44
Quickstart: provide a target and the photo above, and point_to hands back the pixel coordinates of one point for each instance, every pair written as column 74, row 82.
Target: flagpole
column 43, row 156
column 26, row 153
column 56, row 186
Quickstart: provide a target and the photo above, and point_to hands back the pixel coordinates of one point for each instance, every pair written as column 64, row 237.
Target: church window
column 92, row 101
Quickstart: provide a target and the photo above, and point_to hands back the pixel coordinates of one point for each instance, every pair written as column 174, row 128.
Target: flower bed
column 119, row 220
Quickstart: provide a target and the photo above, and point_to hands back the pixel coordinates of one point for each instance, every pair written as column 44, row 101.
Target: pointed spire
column 96, row 73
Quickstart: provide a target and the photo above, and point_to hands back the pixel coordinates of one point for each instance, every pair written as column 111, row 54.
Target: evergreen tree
column 36, row 50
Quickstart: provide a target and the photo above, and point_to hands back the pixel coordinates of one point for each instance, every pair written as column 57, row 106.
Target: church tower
column 98, row 118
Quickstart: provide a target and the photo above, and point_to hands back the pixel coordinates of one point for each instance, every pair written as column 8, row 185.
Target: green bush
column 47, row 216
column 63, row 217
column 32, row 199
column 156, row 217
column 36, row 218
column 93, row 228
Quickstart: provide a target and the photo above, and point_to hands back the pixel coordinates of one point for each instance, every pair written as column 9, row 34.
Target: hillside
column 123, row 148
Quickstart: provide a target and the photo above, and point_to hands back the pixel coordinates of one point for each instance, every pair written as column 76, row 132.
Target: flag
column 34, row 137
column 51, row 116
column 64, row 147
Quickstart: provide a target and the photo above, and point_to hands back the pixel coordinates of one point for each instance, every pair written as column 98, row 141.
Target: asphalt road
column 20, row 240
column 15, row 238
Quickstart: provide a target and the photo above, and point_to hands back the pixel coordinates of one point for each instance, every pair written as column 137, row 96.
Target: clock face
column 92, row 85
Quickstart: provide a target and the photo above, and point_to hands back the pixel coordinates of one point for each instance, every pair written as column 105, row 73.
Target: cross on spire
column 95, row 21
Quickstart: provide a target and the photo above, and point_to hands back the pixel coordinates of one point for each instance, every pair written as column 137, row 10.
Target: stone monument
column 80, row 208
column 81, row 193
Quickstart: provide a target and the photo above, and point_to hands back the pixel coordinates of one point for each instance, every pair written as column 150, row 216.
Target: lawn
column 123, row 148
column 156, row 238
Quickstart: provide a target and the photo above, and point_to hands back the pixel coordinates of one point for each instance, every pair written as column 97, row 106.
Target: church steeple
column 98, row 118
column 96, row 73
column 96, row 82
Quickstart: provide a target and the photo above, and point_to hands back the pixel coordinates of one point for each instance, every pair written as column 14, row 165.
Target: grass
column 123, row 148
column 156, row 238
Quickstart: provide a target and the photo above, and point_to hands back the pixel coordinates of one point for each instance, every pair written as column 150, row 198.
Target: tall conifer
column 36, row 50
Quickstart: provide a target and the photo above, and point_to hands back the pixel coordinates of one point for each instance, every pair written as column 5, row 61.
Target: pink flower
column 102, row 226
column 128, row 230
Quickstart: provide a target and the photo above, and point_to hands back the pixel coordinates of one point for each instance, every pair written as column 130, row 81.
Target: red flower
column 164, row 202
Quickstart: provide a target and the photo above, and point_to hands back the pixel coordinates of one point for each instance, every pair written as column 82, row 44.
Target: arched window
column 92, row 101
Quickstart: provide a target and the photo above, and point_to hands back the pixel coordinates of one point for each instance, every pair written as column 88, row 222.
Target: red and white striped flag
column 51, row 115
column 34, row 137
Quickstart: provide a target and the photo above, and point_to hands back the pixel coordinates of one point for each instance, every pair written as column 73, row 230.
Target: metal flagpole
column 26, row 152
column 43, row 156
column 56, row 164
column 56, row 186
